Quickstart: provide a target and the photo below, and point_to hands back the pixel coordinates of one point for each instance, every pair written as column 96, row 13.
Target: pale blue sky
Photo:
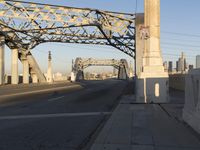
column 177, row 16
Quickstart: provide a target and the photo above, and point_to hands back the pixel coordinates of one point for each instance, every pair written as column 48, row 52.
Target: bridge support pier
column 152, row 82
column 25, row 70
column 123, row 70
column 79, row 75
column 122, row 74
column 14, row 67
column 34, row 78
column 2, row 60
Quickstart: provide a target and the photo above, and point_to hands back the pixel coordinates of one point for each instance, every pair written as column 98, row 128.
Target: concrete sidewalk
column 145, row 127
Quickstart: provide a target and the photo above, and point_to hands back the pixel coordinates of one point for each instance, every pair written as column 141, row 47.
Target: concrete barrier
column 20, row 79
column 191, row 111
column 177, row 81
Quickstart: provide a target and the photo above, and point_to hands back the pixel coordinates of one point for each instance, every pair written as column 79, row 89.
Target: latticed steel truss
column 83, row 63
column 33, row 23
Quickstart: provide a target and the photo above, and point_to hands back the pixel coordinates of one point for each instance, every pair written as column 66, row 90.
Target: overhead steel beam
column 35, row 23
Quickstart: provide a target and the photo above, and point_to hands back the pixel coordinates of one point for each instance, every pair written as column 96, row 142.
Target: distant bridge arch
column 83, row 63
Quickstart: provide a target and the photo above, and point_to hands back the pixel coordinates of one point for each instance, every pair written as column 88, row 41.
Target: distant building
column 198, row 61
column 170, row 66
column 176, row 66
column 181, row 64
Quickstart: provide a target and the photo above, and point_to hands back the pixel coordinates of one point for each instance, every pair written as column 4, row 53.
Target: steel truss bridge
column 25, row 25
column 83, row 63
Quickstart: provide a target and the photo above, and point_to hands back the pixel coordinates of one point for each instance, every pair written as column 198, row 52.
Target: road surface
column 55, row 117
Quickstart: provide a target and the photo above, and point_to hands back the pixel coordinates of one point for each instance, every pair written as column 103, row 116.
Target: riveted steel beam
column 34, row 23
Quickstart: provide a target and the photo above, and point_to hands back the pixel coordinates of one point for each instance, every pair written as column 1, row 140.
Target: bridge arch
column 24, row 25
column 83, row 63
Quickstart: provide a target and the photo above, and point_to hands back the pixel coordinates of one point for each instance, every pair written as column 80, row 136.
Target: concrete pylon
column 122, row 75
column 2, row 59
column 152, row 81
column 49, row 71
column 14, row 67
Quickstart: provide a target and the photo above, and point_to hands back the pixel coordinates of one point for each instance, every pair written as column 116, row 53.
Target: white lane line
column 56, row 98
column 40, row 116
column 40, row 91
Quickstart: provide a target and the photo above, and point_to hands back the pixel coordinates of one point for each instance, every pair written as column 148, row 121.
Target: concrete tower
column 152, row 82
column 182, row 63
column 49, row 71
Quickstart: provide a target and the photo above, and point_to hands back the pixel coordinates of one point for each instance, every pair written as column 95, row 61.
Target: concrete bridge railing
column 177, row 81
column 191, row 111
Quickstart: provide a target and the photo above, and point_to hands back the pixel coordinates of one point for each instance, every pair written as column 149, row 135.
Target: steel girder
column 35, row 23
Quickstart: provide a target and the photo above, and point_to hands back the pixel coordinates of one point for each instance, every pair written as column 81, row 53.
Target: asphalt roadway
column 63, row 116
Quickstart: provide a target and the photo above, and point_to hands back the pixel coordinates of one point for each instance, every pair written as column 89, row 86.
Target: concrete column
column 34, row 78
column 14, row 67
column 2, row 59
column 25, row 71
